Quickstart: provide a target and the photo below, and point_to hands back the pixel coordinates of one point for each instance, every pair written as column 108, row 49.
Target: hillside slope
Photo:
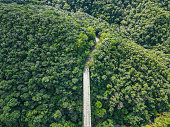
column 42, row 54
column 43, row 48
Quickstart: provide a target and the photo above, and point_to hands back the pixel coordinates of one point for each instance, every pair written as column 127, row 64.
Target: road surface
column 86, row 92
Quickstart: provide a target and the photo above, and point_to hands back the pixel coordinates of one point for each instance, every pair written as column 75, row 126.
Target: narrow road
column 86, row 92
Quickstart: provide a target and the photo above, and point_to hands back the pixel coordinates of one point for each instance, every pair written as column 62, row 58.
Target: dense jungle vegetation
column 44, row 45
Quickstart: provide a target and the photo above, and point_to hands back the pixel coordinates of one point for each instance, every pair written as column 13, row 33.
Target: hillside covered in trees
column 45, row 43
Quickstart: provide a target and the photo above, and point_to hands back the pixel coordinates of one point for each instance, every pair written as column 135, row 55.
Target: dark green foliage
column 131, row 82
column 42, row 55
column 146, row 22
column 113, row 11
column 44, row 45
column 40, row 2
column 163, row 120
column 148, row 26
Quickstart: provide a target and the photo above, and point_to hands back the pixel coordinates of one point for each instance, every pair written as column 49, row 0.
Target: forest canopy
column 45, row 43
